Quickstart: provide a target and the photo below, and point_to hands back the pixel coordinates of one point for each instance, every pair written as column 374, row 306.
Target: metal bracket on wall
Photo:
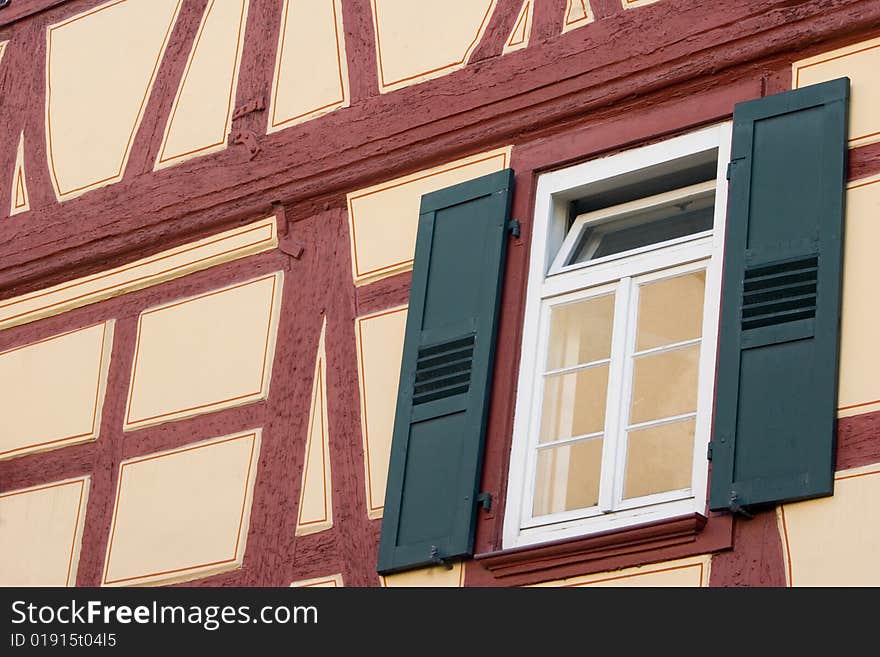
column 514, row 227
column 485, row 501
column 248, row 138
column 254, row 105
column 286, row 244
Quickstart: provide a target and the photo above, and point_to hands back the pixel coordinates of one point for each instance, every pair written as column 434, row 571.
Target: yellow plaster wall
column 53, row 391
column 435, row 576
column 859, row 385
column 834, row 541
column 331, row 581
column 522, row 29
column 311, row 71
column 41, row 532
column 19, row 199
column 182, row 513
column 418, row 41
column 100, row 69
column 690, row 572
column 860, row 62
column 383, row 219
column 379, row 339
column 201, row 115
column 577, row 14
column 315, row 499
column 205, row 353
column 214, row 250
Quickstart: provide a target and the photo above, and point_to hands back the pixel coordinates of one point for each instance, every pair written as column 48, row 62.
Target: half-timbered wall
column 207, row 220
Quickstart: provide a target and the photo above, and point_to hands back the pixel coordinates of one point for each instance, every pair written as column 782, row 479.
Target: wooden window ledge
column 674, row 538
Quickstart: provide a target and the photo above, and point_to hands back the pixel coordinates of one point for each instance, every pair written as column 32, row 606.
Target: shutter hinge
column 736, row 507
column 485, row 501
column 437, row 560
column 709, row 451
column 730, row 166
column 514, row 227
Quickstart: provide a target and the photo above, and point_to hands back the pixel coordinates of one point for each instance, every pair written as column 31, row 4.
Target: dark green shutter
column 776, row 393
column 446, row 374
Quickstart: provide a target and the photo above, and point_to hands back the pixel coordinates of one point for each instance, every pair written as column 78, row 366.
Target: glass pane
column 574, row 403
column 665, row 384
column 646, row 227
column 671, row 310
column 567, row 477
column 580, row 332
column 659, row 459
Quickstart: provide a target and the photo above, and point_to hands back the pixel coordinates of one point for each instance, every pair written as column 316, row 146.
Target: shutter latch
column 437, row 560
column 485, row 501
column 514, row 227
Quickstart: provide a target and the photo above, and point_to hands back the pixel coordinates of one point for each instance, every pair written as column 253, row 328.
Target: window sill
column 686, row 535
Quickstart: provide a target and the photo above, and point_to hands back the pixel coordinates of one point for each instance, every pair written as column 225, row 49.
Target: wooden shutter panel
column 446, row 374
column 776, row 394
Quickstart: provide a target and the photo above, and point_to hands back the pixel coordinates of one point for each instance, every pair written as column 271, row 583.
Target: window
column 615, row 393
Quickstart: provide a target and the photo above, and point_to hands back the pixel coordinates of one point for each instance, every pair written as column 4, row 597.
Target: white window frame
column 551, row 282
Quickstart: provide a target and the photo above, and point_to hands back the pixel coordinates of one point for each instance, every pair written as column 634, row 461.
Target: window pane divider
column 568, row 441
column 613, row 404
column 661, row 421
column 618, row 465
column 577, row 368
column 667, row 347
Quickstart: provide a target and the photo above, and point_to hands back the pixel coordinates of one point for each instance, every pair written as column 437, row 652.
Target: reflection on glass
column 659, row 459
column 665, row 384
column 574, row 403
column 671, row 310
column 567, row 477
column 580, row 332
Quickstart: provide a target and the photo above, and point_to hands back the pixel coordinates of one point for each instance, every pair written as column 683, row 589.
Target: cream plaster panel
column 101, row 65
column 435, row 576
column 690, row 572
column 859, row 386
column 522, row 29
column 834, row 541
column 418, row 41
column 204, row 353
column 331, row 581
column 182, row 513
column 311, row 71
column 41, row 533
column 201, row 115
column 629, row 4
column 53, row 391
column 227, row 246
column 380, row 348
column 19, row 199
column 383, row 219
column 2, row 50
column 315, row 502
column 577, row 14
column 859, row 62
